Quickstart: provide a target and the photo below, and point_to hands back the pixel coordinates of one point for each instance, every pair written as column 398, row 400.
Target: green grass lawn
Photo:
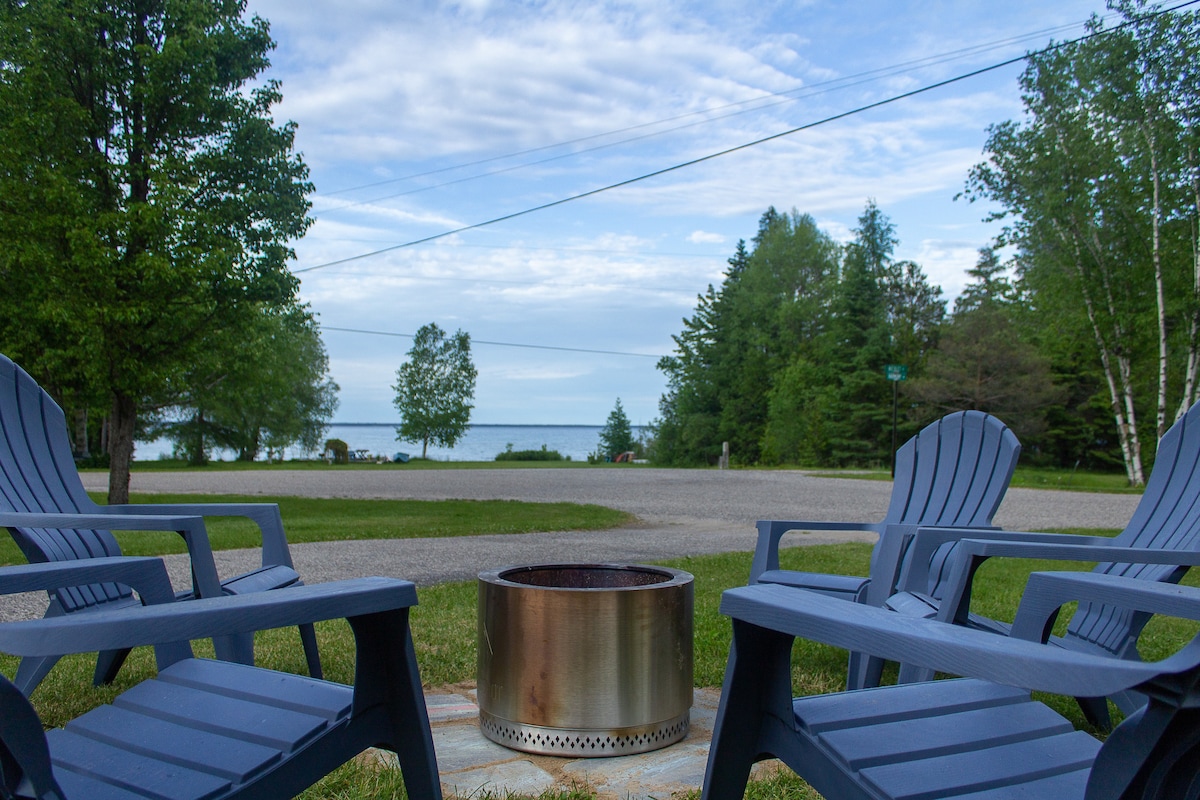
column 444, row 631
column 444, row 624
column 338, row 519
column 1023, row 477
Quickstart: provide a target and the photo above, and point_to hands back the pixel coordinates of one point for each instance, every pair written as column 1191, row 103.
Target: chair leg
column 415, row 752
column 386, row 674
column 1095, row 709
column 238, row 648
column 308, row 637
column 757, row 679
column 108, row 664
column 863, row 671
column 31, row 671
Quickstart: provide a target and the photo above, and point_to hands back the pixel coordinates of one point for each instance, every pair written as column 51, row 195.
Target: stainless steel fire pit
column 585, row 659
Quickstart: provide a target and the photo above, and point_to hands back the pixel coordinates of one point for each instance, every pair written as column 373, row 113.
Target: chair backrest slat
column 1167, row 517
column 954, row 472
column 38, row 474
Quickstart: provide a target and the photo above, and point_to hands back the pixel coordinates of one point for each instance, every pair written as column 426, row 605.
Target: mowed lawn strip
column 340, row 519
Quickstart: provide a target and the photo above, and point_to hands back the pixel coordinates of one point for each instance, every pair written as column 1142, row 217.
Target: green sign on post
column 896, row 372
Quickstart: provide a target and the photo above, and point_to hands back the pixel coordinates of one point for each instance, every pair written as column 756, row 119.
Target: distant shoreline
column 476, row 425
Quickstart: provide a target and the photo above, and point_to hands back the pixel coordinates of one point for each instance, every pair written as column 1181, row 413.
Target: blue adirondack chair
column 980, row 736
column 954, row 473
column 213, row 729
column 51, row 517
column 1160, row 542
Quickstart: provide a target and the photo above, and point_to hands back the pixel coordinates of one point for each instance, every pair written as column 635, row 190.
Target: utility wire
column 787, row 96
column 503, row 344
column 545, row 284
column 711, row 156
column 593, row 149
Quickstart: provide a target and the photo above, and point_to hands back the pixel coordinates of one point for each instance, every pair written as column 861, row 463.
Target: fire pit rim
column 671, row 576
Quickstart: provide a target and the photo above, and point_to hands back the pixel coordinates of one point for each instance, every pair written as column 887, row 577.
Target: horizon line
column 497, row 424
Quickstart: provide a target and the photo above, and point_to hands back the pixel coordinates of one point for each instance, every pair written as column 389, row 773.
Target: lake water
column 481, row 442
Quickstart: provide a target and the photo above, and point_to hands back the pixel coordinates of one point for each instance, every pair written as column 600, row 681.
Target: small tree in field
column 617, row 435
column 434, row 388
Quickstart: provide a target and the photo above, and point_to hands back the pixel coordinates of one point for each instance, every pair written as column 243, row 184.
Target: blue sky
column 419, row 118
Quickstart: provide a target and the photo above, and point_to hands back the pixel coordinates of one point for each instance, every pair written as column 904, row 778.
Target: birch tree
column 1098, row 189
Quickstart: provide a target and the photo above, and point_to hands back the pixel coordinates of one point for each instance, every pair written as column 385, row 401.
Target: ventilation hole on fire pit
column 573, row 743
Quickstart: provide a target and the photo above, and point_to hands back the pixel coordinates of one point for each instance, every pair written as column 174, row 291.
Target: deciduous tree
column 274, row 394
column 1100, row 188
column 434, row 388
column 147, row 196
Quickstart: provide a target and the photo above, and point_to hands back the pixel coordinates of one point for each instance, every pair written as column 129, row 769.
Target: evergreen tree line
column 787, row 360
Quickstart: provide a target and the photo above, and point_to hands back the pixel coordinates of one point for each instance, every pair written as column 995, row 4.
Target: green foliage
column 277, row 393
column 800, row 406
column 772, row 305
column 147, row 197
column 529, row 455
column 616, row 437
column 986, row 358
column 434, row 388
column 983, row 363
column 338, row 450
column 1097, row 186
column 785, row 362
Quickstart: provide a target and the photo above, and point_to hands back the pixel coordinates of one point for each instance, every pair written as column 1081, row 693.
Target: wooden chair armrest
column 770, row 531
column 189, row 526
column 147, row 576
column 940, row 646
column 1046, row 593
column 971, row 554
column 927, row 540
column 205, row 618
column 265, row 515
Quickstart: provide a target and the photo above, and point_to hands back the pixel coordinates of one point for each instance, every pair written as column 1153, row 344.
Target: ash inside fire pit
column 585, row 659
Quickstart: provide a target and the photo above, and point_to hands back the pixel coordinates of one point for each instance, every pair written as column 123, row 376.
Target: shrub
column 338, row 450
column 530, row 455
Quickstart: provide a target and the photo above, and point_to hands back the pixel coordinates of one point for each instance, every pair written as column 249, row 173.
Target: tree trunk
column 124, row 419
column 198, row 457
column 1193, row 350
column 1117, row 375
column 1160, row 293
column 81, row 434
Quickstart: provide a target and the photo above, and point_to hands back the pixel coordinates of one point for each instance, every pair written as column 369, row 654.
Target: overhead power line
column 758, row 102
column 738, row 148
column 506, row 344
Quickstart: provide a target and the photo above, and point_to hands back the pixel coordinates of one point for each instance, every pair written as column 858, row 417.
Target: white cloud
column 409, row 92
column 516, row 373
column 703, row 237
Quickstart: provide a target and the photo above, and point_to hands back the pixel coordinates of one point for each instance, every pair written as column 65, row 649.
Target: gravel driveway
column 680, row 512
